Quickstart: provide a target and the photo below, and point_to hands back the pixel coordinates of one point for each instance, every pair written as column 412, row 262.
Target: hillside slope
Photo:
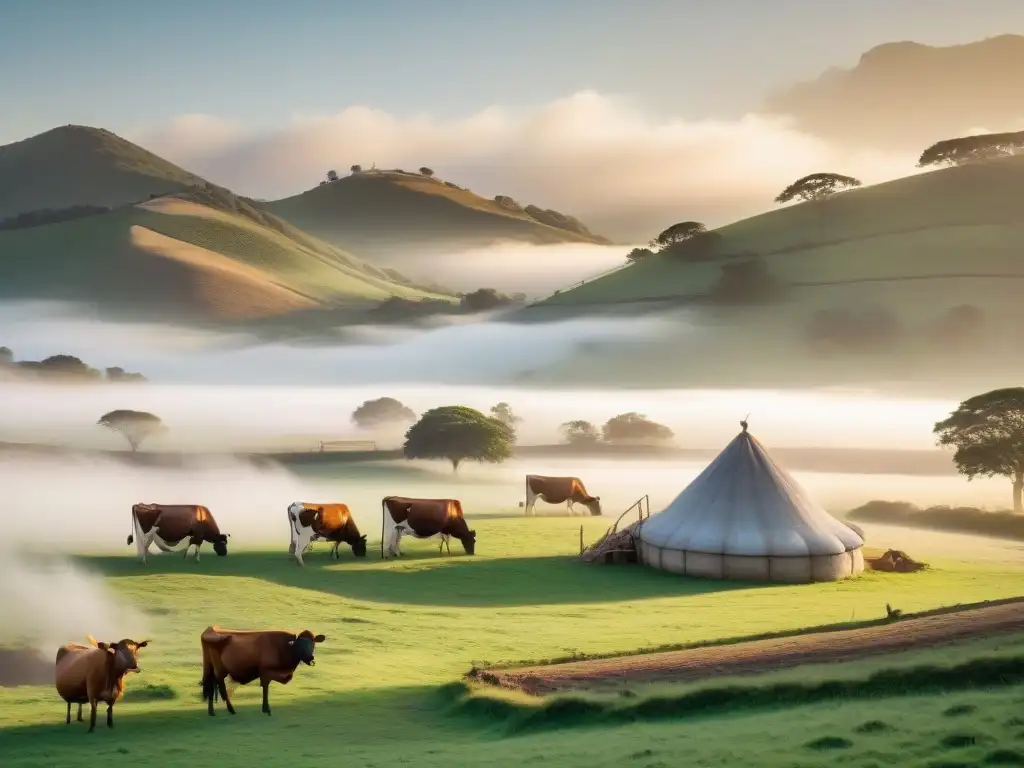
column 383, row 215
column 190, row 257
column 890, row 282
column 77, row 165
column 905, row 96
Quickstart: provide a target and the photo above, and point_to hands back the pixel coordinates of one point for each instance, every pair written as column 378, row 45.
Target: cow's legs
column 110, row 715
column 80, row 718
column 531, row 501
column 141, row 542
column 224, row 695
column 568, row 507
column 67, row 720
column 92, row 715
column 266, row 699
column 334, row 552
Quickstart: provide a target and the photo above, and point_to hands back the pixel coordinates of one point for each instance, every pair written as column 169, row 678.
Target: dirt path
column 765, row 655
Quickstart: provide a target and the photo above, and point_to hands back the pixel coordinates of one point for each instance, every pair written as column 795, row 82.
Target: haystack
column 895, row 561
column 744, row 517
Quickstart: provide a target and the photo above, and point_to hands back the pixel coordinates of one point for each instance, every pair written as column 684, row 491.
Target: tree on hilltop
column 968, row 149
column 638, row 255
column 635, row 428
column 383, row 410
column 356, row 169
column 679, row 233
column 817, row 186
column 987, row 432
column 426, row 171
column 332, row 175
column 134, row 426
column 458, row 433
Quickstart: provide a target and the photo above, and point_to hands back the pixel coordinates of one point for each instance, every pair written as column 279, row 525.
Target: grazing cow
column 332, row 522
column 89, row 674
column 244, row 655
column 555, row 490
column 424, row 519
column 168, row 525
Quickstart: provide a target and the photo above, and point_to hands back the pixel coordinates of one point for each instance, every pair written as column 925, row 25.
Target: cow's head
column 469, row 542
column 594, row 505
column 125, row 654
column 220, row 543
column 359, row 546
column 303, row 647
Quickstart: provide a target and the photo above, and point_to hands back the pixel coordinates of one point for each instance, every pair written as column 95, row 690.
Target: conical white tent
column 744, row 517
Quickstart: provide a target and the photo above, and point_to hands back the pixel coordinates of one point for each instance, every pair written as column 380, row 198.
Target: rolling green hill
column 204, row 255
column 381, row 215
column 886, row 282
column 77, row 165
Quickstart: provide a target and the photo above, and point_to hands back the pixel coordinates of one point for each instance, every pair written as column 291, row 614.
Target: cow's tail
column 209, row 684
column 131, row 536
column 383, row 514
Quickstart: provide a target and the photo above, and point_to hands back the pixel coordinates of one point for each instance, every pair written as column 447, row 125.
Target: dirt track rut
column 766, row 655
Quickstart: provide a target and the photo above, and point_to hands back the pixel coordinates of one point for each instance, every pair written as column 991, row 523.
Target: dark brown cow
column 167, row 525
column 555, row 490
column 423, row 519
column 243, row 655
column 89, row 674
column 330, row 522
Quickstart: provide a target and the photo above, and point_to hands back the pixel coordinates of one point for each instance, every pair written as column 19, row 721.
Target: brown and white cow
column 555, row 490
column 168, row 525
column 424, row 519
column 244, row 655
column 330, row 522
column 89, row 674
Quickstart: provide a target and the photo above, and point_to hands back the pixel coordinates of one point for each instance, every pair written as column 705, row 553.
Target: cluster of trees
column 481, row 300
column 459, row 433
column 969, row 149
column 51, row 216
column 547, row 216
column 332, row 175
column 64, row 368
column 875, row 328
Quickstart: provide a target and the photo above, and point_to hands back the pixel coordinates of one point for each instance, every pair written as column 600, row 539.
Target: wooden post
column 581, row 539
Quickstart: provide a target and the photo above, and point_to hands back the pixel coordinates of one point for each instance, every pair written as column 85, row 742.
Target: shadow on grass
column 426, row 578
column 422, row 710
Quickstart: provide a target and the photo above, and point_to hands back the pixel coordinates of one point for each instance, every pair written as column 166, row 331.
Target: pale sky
column 629, row 115
column 127, row 65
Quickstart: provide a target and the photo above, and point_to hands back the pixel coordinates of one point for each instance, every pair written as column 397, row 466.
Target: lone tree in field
column 356, row 168
column 134, row 426
column 427, row 171
column 679, row 233
column 332, row 175
column 635, row 428
column 503, row 412
column 579, row 432
column 988, row 434
column 817, row 186
column 458, row 433
column 383, row 410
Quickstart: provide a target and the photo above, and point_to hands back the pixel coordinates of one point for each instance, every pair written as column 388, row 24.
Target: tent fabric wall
column 745, row 518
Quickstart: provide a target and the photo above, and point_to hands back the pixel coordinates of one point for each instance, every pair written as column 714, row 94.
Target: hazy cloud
column 623, row 172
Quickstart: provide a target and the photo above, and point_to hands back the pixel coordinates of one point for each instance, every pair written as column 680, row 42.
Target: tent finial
column 743, row 423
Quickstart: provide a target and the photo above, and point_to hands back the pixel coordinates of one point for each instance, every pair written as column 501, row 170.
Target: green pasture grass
column 399, row 633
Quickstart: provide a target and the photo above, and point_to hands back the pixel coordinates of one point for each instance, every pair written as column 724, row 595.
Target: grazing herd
column 95, row 673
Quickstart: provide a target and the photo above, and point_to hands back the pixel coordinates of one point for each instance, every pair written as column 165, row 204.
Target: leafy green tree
column 458, row 433
column 967, row 149
column 426, row 171
column 134, row 426
column 987, row 431
column 580, row 432
column 679, row 233
column 635, row 428
column 817, row 186
column 383, row 410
